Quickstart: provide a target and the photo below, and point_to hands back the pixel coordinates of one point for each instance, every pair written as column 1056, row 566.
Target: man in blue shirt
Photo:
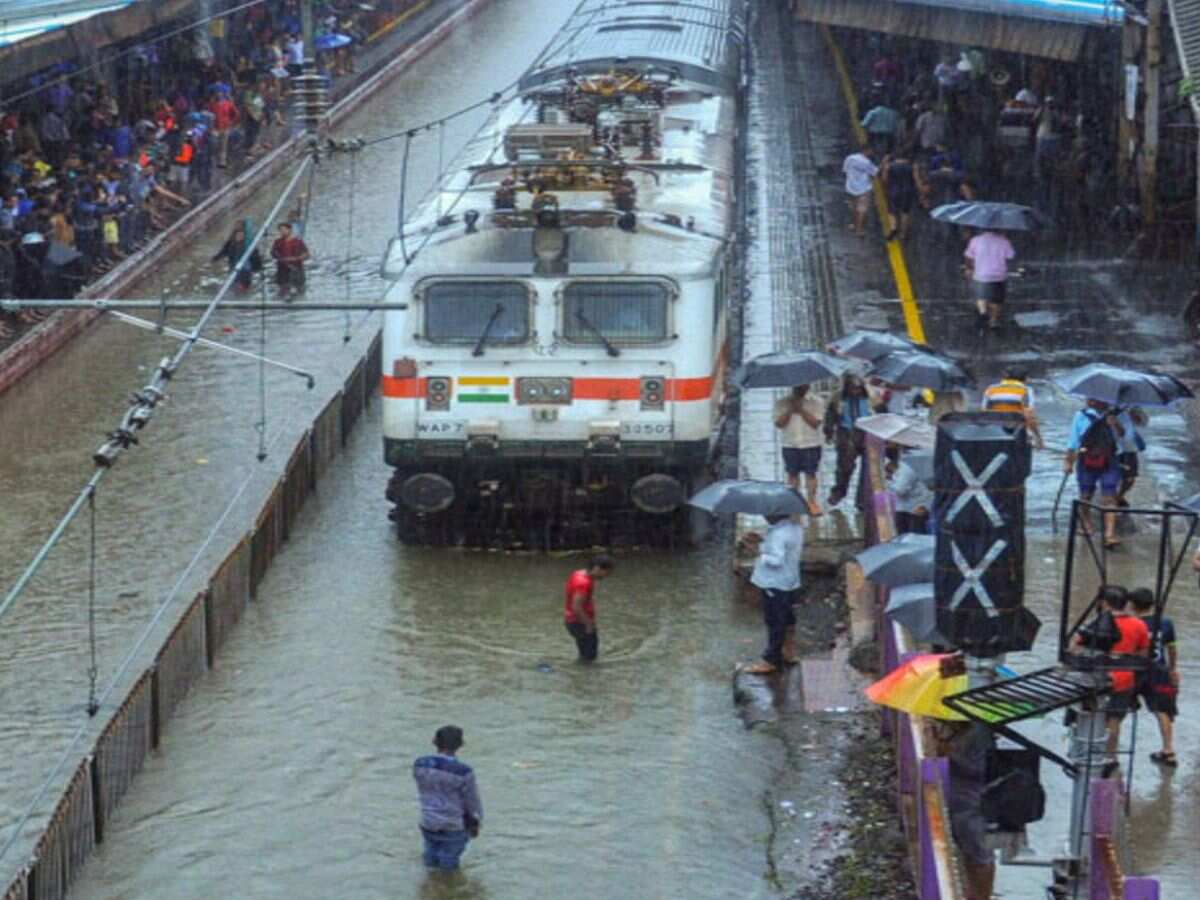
column 451, row 811
column 1160, row 686
column 1092, row 451
column 1129, row 445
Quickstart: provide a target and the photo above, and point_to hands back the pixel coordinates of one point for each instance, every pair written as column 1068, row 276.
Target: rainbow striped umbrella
column 917, row 687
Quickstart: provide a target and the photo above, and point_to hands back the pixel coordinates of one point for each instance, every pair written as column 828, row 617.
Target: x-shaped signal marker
column 971, row 582
column 975, row 489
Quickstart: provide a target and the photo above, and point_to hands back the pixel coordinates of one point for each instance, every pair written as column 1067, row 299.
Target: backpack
column 1098, row 449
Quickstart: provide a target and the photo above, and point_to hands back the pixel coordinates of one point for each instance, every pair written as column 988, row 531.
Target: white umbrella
column 903, row 430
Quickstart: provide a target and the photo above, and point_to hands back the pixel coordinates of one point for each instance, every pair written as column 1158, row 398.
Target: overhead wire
column 144, row 403
column 73, row 745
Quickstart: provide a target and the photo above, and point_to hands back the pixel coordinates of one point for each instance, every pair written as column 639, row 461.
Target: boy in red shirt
column 1134, row 640
column 579, row 611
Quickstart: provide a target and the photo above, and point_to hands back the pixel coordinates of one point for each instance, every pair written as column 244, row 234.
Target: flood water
column 287, row 771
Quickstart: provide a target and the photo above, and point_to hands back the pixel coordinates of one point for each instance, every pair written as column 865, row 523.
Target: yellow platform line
column 895, row 251
column 400, row 19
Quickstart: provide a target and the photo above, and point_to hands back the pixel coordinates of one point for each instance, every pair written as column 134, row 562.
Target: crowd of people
column 952, row 131
column 93, row 164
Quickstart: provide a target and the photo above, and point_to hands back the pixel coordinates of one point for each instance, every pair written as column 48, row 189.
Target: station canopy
column 36, row 35
column 1054, row 29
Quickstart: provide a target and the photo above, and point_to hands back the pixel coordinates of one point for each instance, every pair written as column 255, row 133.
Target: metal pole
column 306, row 29
column 147, row 325
column 1151, row 69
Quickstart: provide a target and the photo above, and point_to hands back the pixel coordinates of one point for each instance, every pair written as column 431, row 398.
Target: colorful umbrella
column 918, row 687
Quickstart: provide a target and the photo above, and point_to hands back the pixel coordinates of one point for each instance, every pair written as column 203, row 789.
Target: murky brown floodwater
column 286, row 772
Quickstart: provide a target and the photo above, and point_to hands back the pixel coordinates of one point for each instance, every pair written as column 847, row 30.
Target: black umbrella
column 788, row 368
column 915, row 607
column 870, row 345
column 922, row 464
column 61, row 254
column 1122, row 387
column 907, row 559
column 991, row 216
column 925, row 370
column 761, row 498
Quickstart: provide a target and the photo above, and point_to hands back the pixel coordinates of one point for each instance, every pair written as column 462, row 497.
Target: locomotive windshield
column 458, row 312
column 624, row 312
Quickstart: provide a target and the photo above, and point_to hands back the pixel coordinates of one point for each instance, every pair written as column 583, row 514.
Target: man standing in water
column 777, row 576
column 289, row 253
column 579, row 612
column 450, row 808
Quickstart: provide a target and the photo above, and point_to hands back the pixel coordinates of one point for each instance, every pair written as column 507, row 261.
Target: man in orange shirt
column 1133, row 640
column 579, row 612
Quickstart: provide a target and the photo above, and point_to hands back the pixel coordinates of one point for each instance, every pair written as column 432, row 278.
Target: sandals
column 1164, row 759
column 1112, row 543
column 762, row 667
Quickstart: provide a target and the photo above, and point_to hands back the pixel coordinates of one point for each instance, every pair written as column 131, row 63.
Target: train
column 557, row 378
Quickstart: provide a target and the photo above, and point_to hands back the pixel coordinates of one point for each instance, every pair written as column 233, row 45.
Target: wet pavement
column 286, row 772
column 1077, row 302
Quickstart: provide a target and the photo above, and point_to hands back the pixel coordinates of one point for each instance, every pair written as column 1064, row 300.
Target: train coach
column 557, row 377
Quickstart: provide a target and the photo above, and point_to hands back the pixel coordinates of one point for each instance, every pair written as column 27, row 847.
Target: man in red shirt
column 289, row 253
column 225, row 119
column 1134, row 640
column 579, row 612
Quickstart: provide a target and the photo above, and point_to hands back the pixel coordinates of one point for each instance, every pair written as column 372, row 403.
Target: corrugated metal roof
column 931, row 21
column 1185, row 20
column 1080, row 12
column 19, row 21
column 701, row 37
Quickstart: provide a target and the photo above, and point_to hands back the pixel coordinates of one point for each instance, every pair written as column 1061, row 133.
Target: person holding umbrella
column 1092, row 454
column 986, row 265
column 845, row 407
column 799, row 417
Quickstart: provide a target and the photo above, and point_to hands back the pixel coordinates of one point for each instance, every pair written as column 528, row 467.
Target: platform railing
column 922, row 777
column 76, row 824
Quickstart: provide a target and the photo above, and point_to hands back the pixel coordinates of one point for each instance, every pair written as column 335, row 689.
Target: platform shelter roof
column 1054, row 29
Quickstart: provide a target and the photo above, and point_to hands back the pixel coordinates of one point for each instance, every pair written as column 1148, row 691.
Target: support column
column 1151, row 72
column 1126, row 113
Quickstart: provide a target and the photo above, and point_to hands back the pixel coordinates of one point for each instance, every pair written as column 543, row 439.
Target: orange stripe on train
column 678, row 389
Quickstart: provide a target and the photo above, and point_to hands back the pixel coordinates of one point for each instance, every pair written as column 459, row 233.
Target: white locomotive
column 559, row 369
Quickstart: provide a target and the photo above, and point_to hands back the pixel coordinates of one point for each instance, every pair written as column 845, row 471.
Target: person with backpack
column 1092, row 453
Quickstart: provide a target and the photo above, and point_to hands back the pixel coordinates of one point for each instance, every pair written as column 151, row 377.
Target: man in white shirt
column 801, row 417
column 777, row 576
column 860, row 171
column 914, row 499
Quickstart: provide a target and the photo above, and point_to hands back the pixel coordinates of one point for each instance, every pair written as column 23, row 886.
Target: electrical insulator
column 310, row 97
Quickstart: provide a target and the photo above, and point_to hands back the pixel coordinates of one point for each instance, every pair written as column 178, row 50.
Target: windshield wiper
column 487, row 329
column 586, row 323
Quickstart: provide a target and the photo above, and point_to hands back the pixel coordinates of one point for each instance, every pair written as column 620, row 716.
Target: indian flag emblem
column 484, row 389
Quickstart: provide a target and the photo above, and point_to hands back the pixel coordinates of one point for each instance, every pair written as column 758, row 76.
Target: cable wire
column 71, row 750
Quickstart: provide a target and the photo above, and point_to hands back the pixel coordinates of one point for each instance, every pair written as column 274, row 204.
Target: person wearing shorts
column 860, row 171
column 986, row 262
column 800, row 417
column 1107, row 479
column 1134, row 640
column 1159, row 690
column 579, row 611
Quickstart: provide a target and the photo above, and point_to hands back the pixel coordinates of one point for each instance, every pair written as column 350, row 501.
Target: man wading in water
column 579, row 613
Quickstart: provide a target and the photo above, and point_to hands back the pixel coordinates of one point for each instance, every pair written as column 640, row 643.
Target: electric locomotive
column 557, row 377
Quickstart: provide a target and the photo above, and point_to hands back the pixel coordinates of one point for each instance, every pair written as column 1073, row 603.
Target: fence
column 101, row 779
column 923, row 777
